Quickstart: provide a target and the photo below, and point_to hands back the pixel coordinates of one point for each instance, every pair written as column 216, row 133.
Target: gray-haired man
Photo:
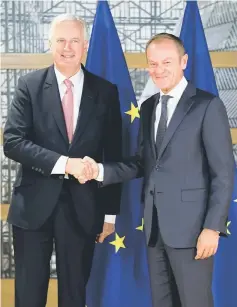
column 58, row 115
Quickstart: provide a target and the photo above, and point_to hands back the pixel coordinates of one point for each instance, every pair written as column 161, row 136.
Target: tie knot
column 165, row 98
column 68, row 83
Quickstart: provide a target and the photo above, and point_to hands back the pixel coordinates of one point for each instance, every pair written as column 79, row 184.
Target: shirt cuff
column 100, row 177
column 60, row 166
column 110, row 219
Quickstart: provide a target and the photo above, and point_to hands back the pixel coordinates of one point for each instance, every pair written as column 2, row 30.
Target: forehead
column 69, row 28
column 162, row 49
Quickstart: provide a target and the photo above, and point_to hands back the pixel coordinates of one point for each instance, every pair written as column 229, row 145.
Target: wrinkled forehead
column 161, row 50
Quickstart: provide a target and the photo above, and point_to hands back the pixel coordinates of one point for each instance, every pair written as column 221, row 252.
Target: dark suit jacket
column 191, row 181
column 35, row 136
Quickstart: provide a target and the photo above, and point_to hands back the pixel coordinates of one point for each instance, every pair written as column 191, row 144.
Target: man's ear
column 184, row 61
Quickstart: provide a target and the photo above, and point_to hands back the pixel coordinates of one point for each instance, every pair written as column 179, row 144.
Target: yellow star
column 228, row 224
column 118, row 242
column 133, row 112
column 141, row 227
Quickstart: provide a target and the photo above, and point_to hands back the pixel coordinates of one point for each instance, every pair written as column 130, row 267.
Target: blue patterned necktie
column 162, row 123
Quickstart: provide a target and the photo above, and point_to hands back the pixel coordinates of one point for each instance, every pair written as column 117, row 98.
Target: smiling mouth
column 67, row 56
column 161, row 77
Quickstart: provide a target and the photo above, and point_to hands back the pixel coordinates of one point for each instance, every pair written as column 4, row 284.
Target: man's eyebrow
column 70, row 38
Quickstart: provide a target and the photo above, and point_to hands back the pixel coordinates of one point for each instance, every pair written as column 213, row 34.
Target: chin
column 162, row 85
column 67, row 64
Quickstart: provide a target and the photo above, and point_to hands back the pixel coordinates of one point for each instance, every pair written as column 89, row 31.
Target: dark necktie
column 162, row 123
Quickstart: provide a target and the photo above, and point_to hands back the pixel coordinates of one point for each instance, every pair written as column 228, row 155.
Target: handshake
column 82, row 169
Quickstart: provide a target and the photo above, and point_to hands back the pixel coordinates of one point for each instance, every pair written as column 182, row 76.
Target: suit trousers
column 33, row 250
column 177, row 279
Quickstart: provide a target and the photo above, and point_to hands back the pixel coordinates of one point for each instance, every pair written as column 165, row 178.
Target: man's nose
column 159, row 69
column 67, row 46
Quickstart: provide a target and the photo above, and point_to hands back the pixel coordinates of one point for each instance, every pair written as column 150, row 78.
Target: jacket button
column 61, row 177
column 152, row 192
column 157, row 167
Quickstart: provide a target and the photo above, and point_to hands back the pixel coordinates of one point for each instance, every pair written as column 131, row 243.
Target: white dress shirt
column 172, row 103
column 77, row 81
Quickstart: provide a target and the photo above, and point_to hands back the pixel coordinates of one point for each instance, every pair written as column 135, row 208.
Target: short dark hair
column 175, row 39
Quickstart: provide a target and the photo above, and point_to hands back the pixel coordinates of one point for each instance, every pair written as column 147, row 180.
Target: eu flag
column 225, row 273
column 199, row 71
column 119, row 275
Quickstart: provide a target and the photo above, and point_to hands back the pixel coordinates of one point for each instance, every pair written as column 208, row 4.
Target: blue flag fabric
column 199, row 69
column 225, row 270
column 121, row 279
column 200, row 72
column 119, row 275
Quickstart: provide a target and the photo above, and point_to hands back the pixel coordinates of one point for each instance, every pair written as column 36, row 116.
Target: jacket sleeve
column 128, row 168
column 219, row 152
column 110, row 196
column 19, row 135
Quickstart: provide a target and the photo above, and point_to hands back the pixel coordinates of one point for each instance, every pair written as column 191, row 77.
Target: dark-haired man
column 185, row 155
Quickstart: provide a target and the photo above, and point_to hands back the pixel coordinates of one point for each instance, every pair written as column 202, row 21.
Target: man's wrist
column 217, row 231
column 110, row 218
column 100, row 176
column 60, row 166
column 67, row 168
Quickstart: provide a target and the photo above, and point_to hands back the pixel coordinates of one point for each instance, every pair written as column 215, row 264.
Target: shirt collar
column 75, row 79
column 178, row 90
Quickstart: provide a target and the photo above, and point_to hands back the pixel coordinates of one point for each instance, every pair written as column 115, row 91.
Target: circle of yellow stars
column 133, row 112
column 119, row 241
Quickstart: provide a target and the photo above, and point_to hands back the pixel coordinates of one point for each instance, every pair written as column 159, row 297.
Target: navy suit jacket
column 35, row 136
column 191, row 181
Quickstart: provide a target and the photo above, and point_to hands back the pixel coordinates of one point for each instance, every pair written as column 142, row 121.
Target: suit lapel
column 152, row 123
column 181, row 110
column 53, row 97
column 87, row 106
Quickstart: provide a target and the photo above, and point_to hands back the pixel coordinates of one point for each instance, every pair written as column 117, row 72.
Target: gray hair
column 67, row 17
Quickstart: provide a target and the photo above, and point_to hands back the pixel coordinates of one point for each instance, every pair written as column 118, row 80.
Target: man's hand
column 108, row 229
column 80, row 169
column 207, row 244
column 93, row 165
